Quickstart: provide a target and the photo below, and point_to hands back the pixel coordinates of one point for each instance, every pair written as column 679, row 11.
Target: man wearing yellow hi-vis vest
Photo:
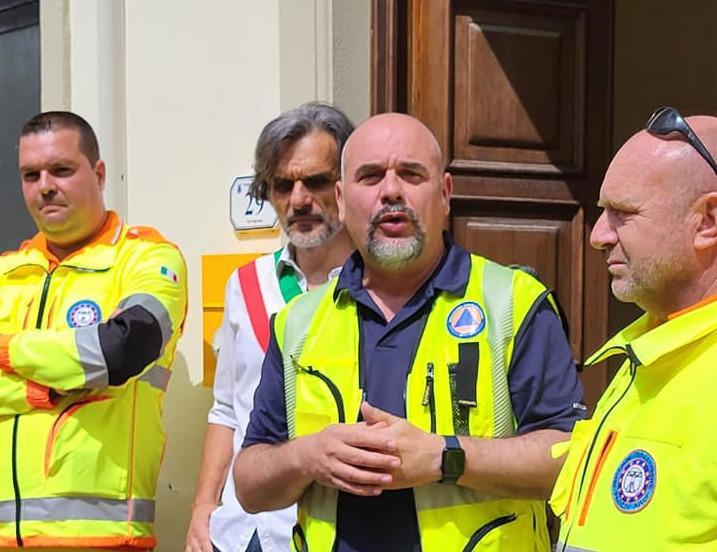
column 411, row 403
column 90, row 314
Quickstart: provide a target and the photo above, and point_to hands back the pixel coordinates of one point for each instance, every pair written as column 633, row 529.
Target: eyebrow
column 329, row 175
column 413, row 166
column 367, row 168
column 618, row 203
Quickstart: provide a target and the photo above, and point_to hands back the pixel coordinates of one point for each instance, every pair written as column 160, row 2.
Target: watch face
column 453, row 463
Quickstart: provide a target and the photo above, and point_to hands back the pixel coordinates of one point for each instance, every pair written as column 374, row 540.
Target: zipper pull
column 429, row 384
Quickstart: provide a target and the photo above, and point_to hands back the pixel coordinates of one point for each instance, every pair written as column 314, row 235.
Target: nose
column 603, row 234
column 391, row 189
column 300, row 196
column 48, row 185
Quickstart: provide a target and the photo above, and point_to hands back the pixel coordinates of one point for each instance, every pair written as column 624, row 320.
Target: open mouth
column 393, row 218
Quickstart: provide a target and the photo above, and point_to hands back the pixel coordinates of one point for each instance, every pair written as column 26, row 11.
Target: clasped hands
column 366, row 458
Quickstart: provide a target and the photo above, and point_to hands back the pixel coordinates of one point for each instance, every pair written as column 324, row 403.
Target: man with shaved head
column 641, row 474
column 411, row 403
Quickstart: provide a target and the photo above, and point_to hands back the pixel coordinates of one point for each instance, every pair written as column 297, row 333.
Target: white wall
column 178, row 91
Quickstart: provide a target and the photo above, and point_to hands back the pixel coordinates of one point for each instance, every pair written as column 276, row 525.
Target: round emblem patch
column 83, row 313
column 466, row 320
column 634, row 482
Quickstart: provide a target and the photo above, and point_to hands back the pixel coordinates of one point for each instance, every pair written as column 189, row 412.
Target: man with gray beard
column 410, row 404
column 296, row 165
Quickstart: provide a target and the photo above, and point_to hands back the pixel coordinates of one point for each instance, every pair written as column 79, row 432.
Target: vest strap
column 296, row 327
column 498, row 298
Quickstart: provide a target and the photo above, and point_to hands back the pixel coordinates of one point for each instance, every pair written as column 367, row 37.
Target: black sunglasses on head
column 666, row 120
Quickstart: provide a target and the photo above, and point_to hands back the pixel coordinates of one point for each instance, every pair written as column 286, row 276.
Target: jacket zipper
column 487, row 528
column 633, row 373
column 334, row 391
column 43, row 299
column 15, row 480
column 429, row 396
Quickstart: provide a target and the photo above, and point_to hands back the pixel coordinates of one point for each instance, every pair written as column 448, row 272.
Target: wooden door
column 518, row 95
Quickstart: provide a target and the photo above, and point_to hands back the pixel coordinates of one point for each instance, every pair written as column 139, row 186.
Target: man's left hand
column 420, row 451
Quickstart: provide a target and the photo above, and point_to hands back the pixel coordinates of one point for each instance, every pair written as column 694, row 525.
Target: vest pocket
column 461, row 412
column 485, row 529
column 335, row 393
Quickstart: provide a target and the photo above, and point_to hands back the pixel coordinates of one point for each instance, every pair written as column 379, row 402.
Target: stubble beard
column 317, row 237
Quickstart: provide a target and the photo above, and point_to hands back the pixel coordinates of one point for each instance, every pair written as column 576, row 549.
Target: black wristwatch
column 453, row 461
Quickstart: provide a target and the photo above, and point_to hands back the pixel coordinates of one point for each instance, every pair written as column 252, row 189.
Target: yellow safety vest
column 322, row 387
column 80, row 466
column 642, row 473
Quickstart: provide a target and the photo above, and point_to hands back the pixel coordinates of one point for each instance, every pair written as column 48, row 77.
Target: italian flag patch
column 169, row 274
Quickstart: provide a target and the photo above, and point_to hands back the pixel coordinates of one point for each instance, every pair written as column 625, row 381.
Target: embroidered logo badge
column 634, row 482
column 83, row 313
column 466, row 320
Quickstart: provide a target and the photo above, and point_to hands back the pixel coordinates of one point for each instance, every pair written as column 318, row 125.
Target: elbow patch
column 129, row 342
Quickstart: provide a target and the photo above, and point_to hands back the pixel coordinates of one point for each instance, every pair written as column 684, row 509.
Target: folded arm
column 121, row 347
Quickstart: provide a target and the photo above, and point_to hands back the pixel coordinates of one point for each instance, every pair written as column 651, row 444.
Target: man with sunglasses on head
column 297, row 166
column 641, row 474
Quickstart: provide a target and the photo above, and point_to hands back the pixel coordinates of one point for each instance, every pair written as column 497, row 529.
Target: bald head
column 658, row 226
column 675, row 166
column 393, row 125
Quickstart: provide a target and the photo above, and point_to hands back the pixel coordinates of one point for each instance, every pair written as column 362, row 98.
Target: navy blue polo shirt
column 544, row 387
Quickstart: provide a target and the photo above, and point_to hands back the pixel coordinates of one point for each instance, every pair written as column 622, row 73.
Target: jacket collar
column 646, row 344
column 97, row 254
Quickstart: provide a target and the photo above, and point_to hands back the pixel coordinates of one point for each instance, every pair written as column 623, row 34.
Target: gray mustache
column 390, row 209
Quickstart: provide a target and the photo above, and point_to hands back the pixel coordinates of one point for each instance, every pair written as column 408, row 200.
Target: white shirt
column 236, row 378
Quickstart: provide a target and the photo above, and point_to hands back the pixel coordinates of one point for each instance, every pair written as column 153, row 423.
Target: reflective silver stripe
column 436, row 495
column 498, row 300
column 155, row 308
column 562, row 548
column 296, row 328
column 75, row 508
column 157, row 376
column 92, row 359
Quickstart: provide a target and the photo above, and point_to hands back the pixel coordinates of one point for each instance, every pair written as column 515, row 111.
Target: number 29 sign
column 246, row 212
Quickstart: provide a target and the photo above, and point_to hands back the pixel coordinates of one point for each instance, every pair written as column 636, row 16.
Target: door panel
column 518, row 95
column 518, row 87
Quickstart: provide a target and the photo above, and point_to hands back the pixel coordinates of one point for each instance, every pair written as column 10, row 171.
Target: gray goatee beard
column 393, row 253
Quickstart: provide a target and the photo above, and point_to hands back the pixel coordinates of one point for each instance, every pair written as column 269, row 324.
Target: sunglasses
column 666, row 120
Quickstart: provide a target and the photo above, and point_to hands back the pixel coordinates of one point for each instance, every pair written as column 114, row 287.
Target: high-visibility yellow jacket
column 86, row 348
column 642, row 473
column 322, row 387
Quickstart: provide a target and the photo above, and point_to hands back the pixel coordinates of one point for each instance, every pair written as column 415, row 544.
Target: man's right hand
column 198, row 539
column 354, row 458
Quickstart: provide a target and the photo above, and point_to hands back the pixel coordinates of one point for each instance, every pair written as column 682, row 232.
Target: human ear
column 100, row 172
column 340, row 201
column 446, row 192
column 706, row 232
